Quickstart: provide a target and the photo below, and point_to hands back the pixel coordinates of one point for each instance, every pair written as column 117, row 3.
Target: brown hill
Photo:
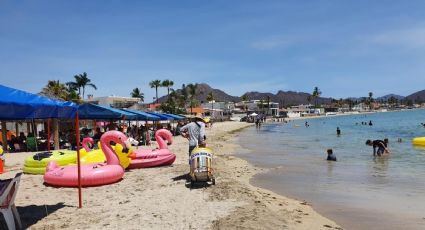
column 204, row 89
column 287, row 97
column 283, row 97
column 417, row 97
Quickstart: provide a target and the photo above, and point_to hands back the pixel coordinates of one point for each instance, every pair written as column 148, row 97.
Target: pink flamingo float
column 86, row 141
column 156, row 157
column 91, row 174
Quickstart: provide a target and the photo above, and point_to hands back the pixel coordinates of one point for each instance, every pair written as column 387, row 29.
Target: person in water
column 195, row 132
column 338, row 131
column 331, row 156
column 370, row 123
column 379, row 146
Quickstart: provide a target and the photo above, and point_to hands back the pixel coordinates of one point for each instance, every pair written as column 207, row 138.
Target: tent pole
column 56, row 133
column 4, row 136
column 77, row 130
column 35, row 134
column 48, row 135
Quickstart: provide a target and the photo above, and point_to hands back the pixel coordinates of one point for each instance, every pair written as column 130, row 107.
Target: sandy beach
column 157, row 198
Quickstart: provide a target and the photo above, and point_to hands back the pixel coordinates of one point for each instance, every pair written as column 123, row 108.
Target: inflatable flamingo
column 157, row 157
column 89, row 156
column 91, row 174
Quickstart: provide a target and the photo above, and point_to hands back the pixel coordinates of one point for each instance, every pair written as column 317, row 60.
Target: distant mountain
column 386, row 97
column 287, row 97
column 204, row 89
column 418, row 96
column 283, row 97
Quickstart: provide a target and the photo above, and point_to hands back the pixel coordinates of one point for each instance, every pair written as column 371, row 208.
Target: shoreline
column 157, row 198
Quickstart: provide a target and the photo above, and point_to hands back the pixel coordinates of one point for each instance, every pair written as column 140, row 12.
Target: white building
column 113, row 101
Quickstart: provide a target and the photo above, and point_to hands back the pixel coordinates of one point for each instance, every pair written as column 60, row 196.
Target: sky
column 346, row 48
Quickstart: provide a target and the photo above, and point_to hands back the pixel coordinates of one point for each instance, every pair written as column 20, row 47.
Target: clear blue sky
column 346, row 48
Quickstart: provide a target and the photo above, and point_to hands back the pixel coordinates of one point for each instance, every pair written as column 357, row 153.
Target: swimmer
column 370, row 123
column 331, row 156
column 399, row 140
column 338, row 131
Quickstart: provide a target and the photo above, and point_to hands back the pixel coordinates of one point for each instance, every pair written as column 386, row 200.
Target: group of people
column 366, row 123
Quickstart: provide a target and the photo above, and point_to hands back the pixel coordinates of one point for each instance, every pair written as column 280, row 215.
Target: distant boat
column 331, row 114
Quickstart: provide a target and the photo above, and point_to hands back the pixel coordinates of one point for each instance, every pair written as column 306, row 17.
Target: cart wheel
column 213, row 181
column 192, row 183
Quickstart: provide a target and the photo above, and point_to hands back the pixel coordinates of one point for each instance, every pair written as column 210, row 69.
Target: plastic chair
column 31, row 143
column 7, row 202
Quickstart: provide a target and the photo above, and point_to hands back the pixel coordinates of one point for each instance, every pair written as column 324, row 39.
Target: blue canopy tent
column 143, row 115
column 92, row 111
column 20, row 105
column 174, row 116
column 161, row 116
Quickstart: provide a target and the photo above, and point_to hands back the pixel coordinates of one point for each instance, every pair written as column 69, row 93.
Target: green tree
column 167, row 84
column 370, row 100
column 138, row 94
column 268, row 104
column 316, row 94
column 55, row 89
column 155, row 84
column 81, row 81
column 211, row 98
column 192, row 92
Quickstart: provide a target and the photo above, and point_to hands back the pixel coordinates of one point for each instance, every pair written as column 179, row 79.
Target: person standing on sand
column 195, row 132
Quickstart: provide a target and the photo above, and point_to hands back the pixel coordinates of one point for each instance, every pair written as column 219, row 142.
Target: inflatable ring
column 37, row 163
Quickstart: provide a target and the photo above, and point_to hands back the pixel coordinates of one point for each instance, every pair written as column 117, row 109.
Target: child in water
column 331, row 156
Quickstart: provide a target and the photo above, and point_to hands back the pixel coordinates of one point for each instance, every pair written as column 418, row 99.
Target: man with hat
column 195, row 132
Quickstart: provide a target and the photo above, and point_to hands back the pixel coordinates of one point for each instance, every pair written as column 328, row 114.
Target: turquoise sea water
column 358, row 191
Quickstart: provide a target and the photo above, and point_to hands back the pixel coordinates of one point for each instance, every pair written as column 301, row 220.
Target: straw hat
column 198, row 116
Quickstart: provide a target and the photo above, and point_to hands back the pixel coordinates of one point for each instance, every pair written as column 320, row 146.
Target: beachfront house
column 259, row 107
column 304, row 111
column 218, row 110
column 113, row 101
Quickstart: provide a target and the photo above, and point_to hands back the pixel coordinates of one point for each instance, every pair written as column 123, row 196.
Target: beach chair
column 8, row 191
column 31, row 144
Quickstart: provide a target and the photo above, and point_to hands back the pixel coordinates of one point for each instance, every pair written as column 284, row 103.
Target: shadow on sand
column 33, row 213
column 188, row 184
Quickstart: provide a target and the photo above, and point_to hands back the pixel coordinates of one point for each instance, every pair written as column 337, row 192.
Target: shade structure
column 174, row 116
column 161, row 116
column 20, row 105
column 143, row 115
column 99, row 112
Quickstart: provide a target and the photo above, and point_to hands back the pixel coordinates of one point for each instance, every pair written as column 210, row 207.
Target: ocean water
column 358, row 191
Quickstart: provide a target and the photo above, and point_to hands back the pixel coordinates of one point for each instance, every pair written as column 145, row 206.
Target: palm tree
column 210, row 98
column 316, row 95
column 155, row 84
column 244, row 99
column 55, row 89
column 137, row 94
column 167, row 84
column 370, row 100
column 268, row 104
column 81, row 81
column 192, row 91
